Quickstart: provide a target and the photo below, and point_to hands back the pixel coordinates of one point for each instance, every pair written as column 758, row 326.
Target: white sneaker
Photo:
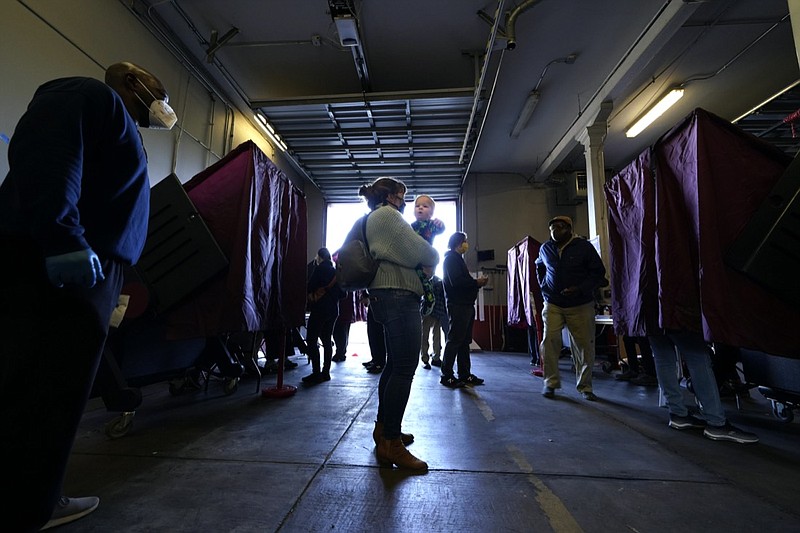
column 70, row 509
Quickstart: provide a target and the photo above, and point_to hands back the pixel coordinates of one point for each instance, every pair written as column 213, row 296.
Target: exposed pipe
column 479, row 87
column 511, row 23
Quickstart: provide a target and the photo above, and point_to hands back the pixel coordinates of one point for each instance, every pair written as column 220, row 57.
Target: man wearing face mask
column 569, row 271
column 73, row 211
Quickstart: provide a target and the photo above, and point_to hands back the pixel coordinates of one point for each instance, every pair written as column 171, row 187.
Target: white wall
column 500, row 210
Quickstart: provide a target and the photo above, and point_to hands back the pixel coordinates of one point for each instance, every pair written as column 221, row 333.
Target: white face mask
column 162, row 117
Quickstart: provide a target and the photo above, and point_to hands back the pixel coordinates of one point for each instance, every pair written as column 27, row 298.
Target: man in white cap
column 569, row 270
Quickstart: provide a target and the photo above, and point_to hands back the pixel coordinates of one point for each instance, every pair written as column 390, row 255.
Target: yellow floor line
column 554, row 509
column 483, row 407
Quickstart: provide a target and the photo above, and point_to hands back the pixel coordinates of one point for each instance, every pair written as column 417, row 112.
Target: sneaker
column 472, row 380
column 338, row 358
column 451, row 382
column 686, row 422
column 589, row 396
column 70, row 509
column 548, row 392
column 367, row 363
column 426, row 366
column 731, row 433
column 375, row 369
column 436, row 361
column 289, row 365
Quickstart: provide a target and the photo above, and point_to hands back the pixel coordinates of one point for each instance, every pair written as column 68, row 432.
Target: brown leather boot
column 393, row 452
column 377, row 435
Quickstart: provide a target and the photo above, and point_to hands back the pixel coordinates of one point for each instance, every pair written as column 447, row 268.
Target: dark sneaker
column 70, row 509
column 288, row 365
column 472, row 380
column 375, row 369
column 451, row 382
column 731, row 433
column 548, row 392
column 426, row 366
column 338, row 358
column 589, row 396
column 686, row 422
column 367, row 363
column 436, row 361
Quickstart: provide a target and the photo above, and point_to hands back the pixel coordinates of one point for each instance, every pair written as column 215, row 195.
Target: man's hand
column 569, row 291
column 74, row 268
column 482, row 281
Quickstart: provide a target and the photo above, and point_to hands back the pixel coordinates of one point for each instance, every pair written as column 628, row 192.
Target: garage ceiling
column 431, row 90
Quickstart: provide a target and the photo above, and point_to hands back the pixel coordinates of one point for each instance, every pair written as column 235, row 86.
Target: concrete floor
column 502, row 459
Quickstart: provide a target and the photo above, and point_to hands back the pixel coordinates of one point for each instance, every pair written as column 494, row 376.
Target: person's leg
column 464, row 362
column 341, row 329
column 580, row 322
column 459, row 315
column 694, row 351
column 375, row 337
column 648, row 365
column 326, row 334
column 313, row 332
column 398, row 313
column 427, row 323
column 666, row 363
column 436, row 331
column 551, row 344
column 51, row 342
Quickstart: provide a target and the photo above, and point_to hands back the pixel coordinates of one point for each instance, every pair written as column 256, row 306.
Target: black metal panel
column 180, row 253
column 768, row 249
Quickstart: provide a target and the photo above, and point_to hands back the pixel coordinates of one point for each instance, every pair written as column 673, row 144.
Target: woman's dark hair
column 456, row 239
column 324, row 254
column 380, row 189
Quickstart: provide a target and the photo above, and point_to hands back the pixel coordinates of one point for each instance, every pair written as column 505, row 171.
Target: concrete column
column 592, row 139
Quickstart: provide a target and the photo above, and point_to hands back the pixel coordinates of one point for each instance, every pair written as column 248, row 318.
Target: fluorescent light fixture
column 667, row 101
column 765, row 102
column 525, row 113
column 274, row 137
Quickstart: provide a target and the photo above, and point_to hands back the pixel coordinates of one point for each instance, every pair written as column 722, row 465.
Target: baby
column 427, row 227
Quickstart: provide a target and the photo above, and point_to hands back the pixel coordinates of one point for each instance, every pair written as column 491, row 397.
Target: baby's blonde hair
column 433, row 202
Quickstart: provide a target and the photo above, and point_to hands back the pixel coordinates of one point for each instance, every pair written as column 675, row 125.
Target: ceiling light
column 654, row 112
column 274, row 137
column 525, row 113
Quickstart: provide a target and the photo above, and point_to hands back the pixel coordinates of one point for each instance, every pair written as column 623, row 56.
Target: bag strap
column 364, row 230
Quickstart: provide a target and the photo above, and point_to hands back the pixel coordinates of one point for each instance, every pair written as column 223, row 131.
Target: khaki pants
column 431, row 325
column 580, row 324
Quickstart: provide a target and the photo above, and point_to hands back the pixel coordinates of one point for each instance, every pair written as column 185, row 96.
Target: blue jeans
column 398, row 312
column 694, row 351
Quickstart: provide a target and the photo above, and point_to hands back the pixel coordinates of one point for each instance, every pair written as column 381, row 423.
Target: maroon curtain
column 259, row 221
column 631, row 229
column 710, row 178
column 523, row 285
column 714, row 177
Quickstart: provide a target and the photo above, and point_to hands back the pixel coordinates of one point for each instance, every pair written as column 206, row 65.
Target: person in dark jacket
column 73, row 211
column 460, row 290
column 323, row 308
column 569, row 270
